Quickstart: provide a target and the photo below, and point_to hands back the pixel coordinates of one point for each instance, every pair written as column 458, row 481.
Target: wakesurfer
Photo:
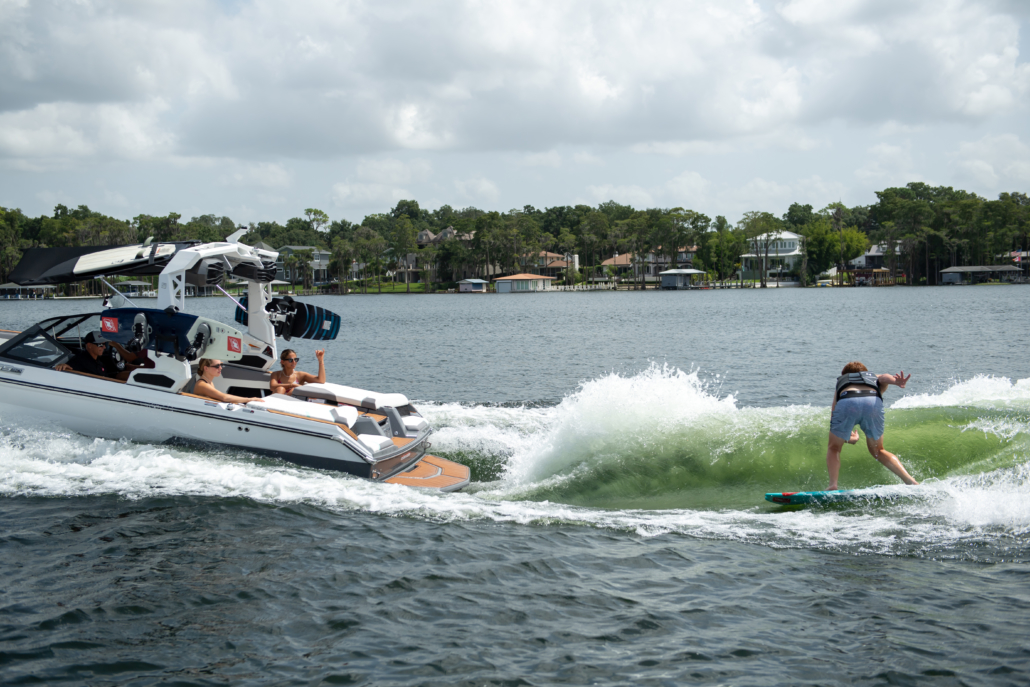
column 858, row 400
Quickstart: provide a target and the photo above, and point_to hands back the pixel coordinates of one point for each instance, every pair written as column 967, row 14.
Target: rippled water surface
column 615, row 531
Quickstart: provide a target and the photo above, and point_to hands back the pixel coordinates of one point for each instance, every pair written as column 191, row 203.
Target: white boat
column 380, row 436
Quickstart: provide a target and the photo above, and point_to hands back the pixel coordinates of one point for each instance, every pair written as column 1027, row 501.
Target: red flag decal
column 234, row 345
column 109, row 324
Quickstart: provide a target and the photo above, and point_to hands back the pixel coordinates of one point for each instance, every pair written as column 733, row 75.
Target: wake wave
column 654, row 453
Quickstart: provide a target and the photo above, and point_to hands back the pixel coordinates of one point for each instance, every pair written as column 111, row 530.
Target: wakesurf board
column 798, row 498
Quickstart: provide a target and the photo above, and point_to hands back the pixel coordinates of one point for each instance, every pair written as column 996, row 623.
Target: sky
column 258, row 110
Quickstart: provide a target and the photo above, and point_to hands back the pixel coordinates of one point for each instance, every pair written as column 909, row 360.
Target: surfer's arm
column 899, row 380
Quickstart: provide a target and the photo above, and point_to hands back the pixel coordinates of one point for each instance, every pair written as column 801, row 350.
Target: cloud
column 888, row 164
column 477, row 188
column 258, row 175
column 380, row 181
column 995, row 162
column 393, row 171
column 549, row 159
column 331, row 80
column 688, row 188
column 585, row 158
column 55, row 135
column 629, row 194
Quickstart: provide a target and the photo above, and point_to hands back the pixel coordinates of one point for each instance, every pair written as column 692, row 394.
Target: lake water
column 615, row 531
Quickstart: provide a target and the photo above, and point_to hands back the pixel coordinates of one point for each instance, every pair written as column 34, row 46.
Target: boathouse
column 678, row 279
column 523, row 283
column 472, row 286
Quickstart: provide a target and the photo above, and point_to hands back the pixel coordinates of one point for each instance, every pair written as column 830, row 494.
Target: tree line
column 922, row 228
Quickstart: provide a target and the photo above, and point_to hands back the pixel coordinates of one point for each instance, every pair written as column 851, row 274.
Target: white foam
column 980, row 391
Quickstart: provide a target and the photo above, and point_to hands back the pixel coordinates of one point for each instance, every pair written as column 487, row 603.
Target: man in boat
column 858, row 400
column 289, row 378
column 96, row 358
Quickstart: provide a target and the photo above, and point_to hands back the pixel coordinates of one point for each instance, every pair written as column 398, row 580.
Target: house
column 874, row 258
column 652, row 264
column 427, row 238
column 472, row 286
column 523, row 283
column 780, row 251
column 554, row 264
column 318, row 264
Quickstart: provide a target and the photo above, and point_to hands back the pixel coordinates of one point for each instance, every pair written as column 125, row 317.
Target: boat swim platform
column 434, row 472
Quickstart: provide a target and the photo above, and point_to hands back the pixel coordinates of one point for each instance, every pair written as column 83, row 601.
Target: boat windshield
column 48, row 343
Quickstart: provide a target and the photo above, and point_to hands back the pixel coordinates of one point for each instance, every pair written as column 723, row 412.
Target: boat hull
column 107, row 409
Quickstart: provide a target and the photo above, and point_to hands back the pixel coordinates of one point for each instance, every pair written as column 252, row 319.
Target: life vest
column 860, row 379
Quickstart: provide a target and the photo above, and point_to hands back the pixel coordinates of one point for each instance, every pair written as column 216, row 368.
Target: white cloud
column 628, row 194
column 996, row 163
column 887, row 164
column 258, row 175
column 347, row 193
column 54, row 135
column 688, row 189
column 549, row 159
column 380, row 181
column 477, row 188
column 585, row 158
column 393, row 171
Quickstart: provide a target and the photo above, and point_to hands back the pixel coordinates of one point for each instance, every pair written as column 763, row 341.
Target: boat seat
column 339, row 393
column 413, row 423
column 344, row 415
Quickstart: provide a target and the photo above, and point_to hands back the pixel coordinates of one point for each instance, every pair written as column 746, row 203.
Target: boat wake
column 659, row 452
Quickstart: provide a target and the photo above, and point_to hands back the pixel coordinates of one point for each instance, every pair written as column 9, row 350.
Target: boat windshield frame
column 48, row 333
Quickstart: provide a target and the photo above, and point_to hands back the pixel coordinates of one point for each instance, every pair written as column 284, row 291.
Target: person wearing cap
column 91, row 359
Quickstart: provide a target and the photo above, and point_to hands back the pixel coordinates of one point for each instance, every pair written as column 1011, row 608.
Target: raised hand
column 320, row 354
column 900, row 379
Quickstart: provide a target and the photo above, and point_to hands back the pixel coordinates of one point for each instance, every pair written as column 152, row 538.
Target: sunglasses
column 291, row 360
column 216, row 367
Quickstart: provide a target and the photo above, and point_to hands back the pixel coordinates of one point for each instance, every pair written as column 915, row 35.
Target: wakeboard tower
column 376, row 435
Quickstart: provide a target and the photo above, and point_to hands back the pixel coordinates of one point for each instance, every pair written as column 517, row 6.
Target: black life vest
column 860, row 379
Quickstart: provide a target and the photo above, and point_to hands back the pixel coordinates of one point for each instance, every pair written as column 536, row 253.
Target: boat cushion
column 374, row 441
column 415, row 424
column 348, row 394
column 343, row 414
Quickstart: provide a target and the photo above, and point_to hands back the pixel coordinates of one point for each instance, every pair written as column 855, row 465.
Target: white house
column 783, row 254
column 523, row 283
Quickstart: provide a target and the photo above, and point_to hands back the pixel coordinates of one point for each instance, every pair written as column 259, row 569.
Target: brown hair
column 286, row 353
column 854, row 367
column 204, row 362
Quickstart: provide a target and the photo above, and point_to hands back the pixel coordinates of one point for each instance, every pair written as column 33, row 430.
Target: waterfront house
column 317, row 266
column 779, row 251
column 627, row 266
column 472, row 286
column 523, row 283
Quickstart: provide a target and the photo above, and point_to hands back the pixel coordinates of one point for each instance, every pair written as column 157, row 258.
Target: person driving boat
column 208, row 369
column 289, row 378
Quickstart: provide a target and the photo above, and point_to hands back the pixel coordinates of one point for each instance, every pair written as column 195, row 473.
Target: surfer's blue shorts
column 864, row 411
